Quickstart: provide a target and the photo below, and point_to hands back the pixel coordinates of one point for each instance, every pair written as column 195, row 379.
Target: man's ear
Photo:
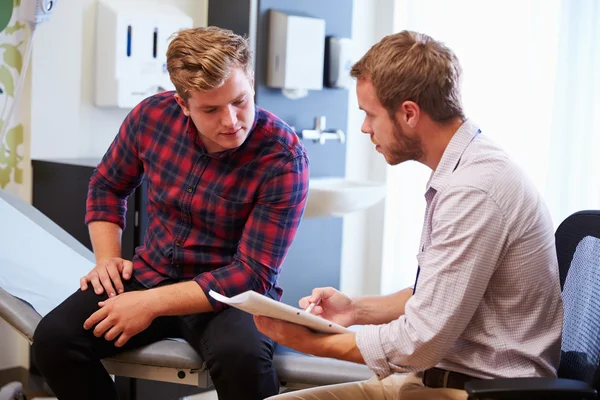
column 251, row 78
column 409, row 112
column 182, row 103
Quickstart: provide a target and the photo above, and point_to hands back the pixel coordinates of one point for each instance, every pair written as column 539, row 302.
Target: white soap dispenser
column 131, row 45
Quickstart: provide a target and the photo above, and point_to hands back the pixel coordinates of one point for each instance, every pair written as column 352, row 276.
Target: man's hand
column 295, row 336
column 108, row 271
column 126, row 315
column 334, row 306
column 334, row 345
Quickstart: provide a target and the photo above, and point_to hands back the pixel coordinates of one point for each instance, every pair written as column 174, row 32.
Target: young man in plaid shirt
column 227, row 184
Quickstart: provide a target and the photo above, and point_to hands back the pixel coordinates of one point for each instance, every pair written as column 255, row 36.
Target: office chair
column 578, row 250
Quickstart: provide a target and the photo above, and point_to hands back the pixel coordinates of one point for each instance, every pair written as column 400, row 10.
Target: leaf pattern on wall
column 15, row 27
column 9, row 160
column 11, row 65
column 12, row 56
column 7, row 81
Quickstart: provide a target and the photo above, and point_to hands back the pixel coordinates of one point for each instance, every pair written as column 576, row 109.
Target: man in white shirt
column 487, row 302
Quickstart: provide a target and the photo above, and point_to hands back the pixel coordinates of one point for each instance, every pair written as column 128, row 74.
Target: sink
column 336, row 197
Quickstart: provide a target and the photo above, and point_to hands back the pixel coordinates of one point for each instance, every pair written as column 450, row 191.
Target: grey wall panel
column 230, row 14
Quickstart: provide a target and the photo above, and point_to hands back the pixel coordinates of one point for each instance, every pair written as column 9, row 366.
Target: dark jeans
column 239, row 358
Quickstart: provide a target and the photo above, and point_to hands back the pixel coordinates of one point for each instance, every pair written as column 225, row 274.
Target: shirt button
column 190, row 189
column 178, row 243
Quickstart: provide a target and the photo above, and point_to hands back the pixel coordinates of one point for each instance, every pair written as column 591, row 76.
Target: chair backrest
column 578, row 250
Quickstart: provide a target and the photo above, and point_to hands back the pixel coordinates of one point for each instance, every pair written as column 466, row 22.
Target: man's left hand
column 124, row 316
column 295, row 336
column 334, row 345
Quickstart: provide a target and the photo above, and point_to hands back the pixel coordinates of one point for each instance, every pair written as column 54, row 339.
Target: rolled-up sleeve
column 468, row 235
column 117, row 175
column 267, row 236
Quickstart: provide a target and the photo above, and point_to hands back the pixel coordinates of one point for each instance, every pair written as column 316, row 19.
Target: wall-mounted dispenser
column 341, row 57
column 131, row 45
column 296, row 53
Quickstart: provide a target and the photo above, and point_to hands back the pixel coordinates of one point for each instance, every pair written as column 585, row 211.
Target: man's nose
column 366, row 129
column 230, row 118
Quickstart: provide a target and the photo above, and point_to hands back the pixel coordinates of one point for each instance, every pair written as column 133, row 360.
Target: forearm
column 106, row 239
column 178, row 299
column 339, row 346
column 377, row 310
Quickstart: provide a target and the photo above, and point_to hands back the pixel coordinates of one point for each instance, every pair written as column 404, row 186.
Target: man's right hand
column 332, row 305
column 106, row 275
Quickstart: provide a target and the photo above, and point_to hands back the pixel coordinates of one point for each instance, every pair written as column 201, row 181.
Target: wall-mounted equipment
column 296, row 53
column 341, row 57
column 320, row 134
column 131, row 45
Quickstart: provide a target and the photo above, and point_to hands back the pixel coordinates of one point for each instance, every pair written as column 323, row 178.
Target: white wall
column 363, row 232
column 65, row 123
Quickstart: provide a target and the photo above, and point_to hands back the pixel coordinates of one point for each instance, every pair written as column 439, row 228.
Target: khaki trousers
column 394, row 387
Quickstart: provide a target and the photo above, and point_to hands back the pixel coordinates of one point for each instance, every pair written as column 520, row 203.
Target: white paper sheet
column 257, row 304
column 34, row 265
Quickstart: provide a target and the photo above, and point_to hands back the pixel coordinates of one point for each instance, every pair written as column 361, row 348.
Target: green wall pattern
column 11, row 50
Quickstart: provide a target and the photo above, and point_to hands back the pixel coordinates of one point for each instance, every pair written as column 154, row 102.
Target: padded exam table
column 40, row 265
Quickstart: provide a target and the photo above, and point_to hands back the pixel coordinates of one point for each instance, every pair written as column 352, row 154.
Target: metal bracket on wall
column 320, row 134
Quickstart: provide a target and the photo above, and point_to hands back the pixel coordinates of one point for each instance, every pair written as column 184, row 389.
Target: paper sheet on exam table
column 35, row 266
column 257, row 304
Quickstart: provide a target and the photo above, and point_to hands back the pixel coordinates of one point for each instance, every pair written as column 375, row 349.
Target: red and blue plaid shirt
column 225, row 219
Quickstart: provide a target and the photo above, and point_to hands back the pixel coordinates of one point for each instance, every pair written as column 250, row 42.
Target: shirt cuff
column 208, row 283
column 106, row 216
column 369, row 344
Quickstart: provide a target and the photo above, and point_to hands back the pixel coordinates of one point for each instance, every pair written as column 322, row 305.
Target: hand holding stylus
column 330, row 304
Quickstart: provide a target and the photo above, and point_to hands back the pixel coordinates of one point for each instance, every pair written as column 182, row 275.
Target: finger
column 122, row 340
column 318, row 310
column 102, row 327
column 113, row 272
column 112, row 333
column 304, row 302
column 98, row 289
column 106, row 282
column 260, row 320
column 321, row 294
column 83, row 283
column 127, row 269
column 95, row 318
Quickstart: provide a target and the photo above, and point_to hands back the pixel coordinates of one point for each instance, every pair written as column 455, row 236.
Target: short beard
column 404, row 148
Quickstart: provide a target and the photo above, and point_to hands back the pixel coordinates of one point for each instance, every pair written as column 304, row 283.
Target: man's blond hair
column 410, row 66
column 202, row 59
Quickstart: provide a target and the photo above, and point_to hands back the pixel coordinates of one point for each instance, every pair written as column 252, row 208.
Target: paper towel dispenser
column 296, row 52
column 341, row 56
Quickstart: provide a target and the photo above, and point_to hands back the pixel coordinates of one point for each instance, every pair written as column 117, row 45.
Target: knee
column 242, row 367
column 232, row 354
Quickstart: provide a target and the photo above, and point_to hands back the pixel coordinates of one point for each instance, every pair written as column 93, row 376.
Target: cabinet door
column 60, row 192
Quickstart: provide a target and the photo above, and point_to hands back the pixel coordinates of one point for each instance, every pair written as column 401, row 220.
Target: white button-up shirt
column 487, row 301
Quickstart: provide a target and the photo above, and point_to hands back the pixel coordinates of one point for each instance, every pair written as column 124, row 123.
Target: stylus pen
column 312, row 305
